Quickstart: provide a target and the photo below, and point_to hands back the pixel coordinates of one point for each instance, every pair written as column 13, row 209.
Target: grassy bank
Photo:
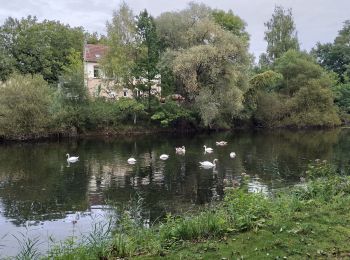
column 307, row 221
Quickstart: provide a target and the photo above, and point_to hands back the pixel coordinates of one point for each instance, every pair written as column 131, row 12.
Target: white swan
column 180, row 149
column 208, row 149
column 164, row 157
column 207, row 164
column 72, row 159
column 221, row 143
column 131, row 160
column 233, row 155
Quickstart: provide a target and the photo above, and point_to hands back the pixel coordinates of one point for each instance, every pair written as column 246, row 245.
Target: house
column 99, row 85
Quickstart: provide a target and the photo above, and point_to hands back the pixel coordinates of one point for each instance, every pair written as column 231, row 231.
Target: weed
column 28, row 247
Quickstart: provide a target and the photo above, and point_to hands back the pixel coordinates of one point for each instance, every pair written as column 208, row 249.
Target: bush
column 246, row 210
column 172, row 113
column 24, row 106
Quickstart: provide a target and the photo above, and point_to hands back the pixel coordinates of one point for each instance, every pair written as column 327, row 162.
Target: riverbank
column 132, row 130
column 128, row 130
column 309, row 220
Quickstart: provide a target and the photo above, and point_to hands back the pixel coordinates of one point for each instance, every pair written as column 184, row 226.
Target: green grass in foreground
column 310, row 221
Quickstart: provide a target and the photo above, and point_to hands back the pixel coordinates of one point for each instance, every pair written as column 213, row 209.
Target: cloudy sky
column 316, row 20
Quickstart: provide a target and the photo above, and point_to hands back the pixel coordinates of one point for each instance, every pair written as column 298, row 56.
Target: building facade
column 99, row 85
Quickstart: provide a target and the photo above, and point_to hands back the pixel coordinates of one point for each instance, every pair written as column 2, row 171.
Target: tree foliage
column 211, row 65
column 266, row 81
column 119, row 61
column 24, row 106
column 171, row 114
column 231, row 22
column 280, row 33
column 29, row 46
column 336, row 56
column 302, row 97
column 175, row 29
column 148, row 52
column 73, row 90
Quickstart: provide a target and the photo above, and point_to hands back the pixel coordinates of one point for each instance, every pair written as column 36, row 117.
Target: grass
column 308, row 221
column 28, row 247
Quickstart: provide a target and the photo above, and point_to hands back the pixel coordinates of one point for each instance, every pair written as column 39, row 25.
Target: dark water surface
column 45, row 199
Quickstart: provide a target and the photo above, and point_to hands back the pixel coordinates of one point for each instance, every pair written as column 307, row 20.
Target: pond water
column 47, row 200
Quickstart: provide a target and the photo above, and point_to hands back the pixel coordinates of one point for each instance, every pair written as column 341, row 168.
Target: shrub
column 171, row 113
column 246, row 210
column 24, row 106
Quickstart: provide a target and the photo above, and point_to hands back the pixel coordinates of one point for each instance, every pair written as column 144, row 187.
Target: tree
column 336, row 56
column 24, row 106
column 231, row 22
column 73, row 90
column 119, row 61
column 7, row 64
column 148, row 51
column 261, row 98
column 174, row 28
column 301, row 98
column 212, row 69
column 129, row 109
column 95, row 38
column 281, row 34
column 298, row 68
column 38, row 47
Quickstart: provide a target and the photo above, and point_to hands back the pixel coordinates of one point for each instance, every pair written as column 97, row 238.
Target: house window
column 125, row 93
column 96, row 72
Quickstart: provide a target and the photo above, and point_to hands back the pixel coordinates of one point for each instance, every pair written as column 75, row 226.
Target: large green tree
column 336, row 56
column 29, row 46
column 302, row 97
column 280, row 34
column 208, row 61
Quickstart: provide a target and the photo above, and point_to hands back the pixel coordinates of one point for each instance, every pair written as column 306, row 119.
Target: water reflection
column 37, row 187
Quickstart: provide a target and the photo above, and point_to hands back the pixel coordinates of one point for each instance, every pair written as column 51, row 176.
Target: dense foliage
column 25, row 106
column 199, row 54
column 336, row 58
column 280, row 34
column 32, row 47
column 301, row 97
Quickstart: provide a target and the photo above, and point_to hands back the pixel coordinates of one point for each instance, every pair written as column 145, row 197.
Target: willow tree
column 211, row 65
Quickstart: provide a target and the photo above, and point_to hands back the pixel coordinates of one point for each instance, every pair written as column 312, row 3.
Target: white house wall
column 106, row 88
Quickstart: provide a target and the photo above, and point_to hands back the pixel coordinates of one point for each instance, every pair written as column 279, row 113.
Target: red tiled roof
column 94, row 52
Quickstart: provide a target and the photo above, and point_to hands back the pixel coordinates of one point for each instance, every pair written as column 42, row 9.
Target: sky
column 316, row 20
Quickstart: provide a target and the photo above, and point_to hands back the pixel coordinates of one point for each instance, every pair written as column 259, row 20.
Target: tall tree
column 148, row 51
column 281, row 34
column 213, row 72
column 121, row 41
